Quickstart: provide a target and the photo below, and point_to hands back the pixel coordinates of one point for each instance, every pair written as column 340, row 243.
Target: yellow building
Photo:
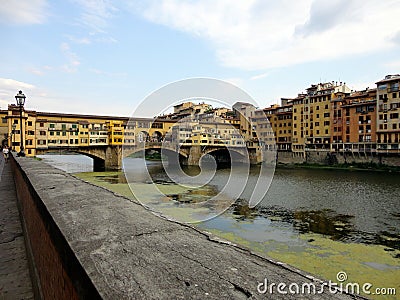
column 14, row 121
column 317, row 112
column 4, row 131
column 280, row 118
column 115, row 132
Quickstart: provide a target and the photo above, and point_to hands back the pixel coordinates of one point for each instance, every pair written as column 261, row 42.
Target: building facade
column 388, row 122
column 328, row 117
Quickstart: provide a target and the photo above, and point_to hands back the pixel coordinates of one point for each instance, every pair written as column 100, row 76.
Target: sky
column 105, row 57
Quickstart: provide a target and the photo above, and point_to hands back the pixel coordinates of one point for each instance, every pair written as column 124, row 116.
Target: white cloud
column 82, row 40
column 362, row 85
column 259, row 76
column 393, row 65
column 9, row 88
column 23, row 12
column 96, row 13
column 239, row 82
column 111, row 74
column 73, row 60
column 260, row 34
column 7, row 84
column 40, row 71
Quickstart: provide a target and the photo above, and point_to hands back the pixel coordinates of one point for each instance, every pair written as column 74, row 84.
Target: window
column 394, row 116
column 52, row 125
column 29, row 123
column 15, row 121
column 4, row 120
column 394, row 126
column 394, row 95
column 326, row 115
column 42, row 132
column 41, row 124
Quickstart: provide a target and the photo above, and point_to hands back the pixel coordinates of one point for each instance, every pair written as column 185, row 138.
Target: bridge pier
column 113, row 158
column 194, row 156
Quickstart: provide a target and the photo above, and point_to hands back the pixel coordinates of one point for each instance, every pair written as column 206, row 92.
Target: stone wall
column 328, row 158
column 58, row 273
column 288, row 157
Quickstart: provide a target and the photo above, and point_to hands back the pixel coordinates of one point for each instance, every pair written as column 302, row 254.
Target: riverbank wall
column 337, row 158
column 87, row 242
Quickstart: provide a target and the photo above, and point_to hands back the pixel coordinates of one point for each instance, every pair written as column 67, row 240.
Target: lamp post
column 20, row 98
column 14, row 126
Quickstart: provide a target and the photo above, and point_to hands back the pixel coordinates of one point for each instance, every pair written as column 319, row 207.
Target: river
column 320, row 221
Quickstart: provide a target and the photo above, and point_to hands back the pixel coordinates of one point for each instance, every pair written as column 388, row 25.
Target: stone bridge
column 110, row 157
column 104, row 157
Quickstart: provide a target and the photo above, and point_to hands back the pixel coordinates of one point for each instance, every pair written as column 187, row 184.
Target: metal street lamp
column 14, row 126
column 20, row 98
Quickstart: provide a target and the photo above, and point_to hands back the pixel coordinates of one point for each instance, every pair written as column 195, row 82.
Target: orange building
column 358, row 122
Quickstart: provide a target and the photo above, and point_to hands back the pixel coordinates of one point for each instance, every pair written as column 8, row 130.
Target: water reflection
column 113, row 179
column 327, row 222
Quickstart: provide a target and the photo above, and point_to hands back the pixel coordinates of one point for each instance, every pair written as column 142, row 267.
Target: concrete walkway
column 15, row 281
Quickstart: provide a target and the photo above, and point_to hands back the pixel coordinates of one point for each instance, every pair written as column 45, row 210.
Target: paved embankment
column 15, row 281
column 113, row 248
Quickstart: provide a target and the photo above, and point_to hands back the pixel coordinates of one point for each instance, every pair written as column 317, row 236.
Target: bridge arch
column 156, row 136
column 225, row 156
column 158, row 148
column 103, row 157
column 142, row 136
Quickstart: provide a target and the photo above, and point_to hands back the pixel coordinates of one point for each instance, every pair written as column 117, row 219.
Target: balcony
column 393, row 89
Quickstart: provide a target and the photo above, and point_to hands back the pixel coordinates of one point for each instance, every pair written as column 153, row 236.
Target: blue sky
column 104, row 57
